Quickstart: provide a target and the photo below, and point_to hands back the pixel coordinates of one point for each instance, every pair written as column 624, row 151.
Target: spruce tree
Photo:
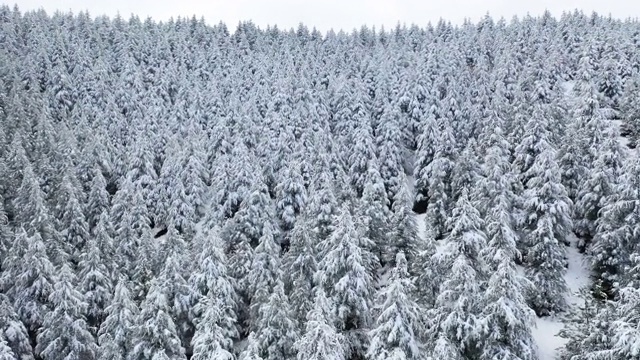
column 5, row 351
column 115, row 337
column 15, row 333
column 264, row 274
column 321, row 340
column 95, row 284
column 212, row 291
column 397, row 328
column 65, row 332
column 458, row 304
column 347, row 274
column 211, row 340
column 155, row 335
column 276, row 330
column 546, row 206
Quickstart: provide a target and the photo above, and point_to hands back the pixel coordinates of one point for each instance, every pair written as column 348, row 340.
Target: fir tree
column 15, row 333
column 155, row 335
column 347, row 274
column 396, row 330
column 458, row 305
column 95, row 284
column 547, row 207
column 320, row 341
column 65, row 333
column 5, row 351
column 115, row 337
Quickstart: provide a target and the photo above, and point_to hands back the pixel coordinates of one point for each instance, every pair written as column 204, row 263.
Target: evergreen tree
column 65, row 333
column 98, row 200
column 214, row 298
column 598, row 187
column 5, row 351
column 405, row 230
column 547, row 207
column 211, row 340
column 115, row 337
column 34, row 284
column 320, row 341
column 275, row 327
column 264, row 274
column 614, row 243
column 439, row 173
column 74, row 229
column 376, row 215
column 34, row 215
column 292, row 196
column 347, row 275
column 301, row 266
column 155, row 335
column 15, row 333
column 458, row 304
column 396, row 330
column 95, row 284
column 173, row 281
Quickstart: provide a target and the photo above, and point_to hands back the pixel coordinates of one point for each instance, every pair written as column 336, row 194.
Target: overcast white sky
column 336, row 14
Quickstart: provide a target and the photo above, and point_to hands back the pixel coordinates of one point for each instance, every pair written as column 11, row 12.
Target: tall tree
column 347, row 276
column 321, row 340
column 397, row 328
column 65, row 333
column 115, row 337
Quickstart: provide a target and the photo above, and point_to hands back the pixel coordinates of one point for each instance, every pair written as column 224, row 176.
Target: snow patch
column 577, row 277
column 546, row 336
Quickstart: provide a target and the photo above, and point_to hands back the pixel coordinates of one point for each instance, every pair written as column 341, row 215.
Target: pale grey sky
column 336, row 14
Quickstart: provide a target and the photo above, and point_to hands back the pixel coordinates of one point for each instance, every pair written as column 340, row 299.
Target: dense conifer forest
column 176, row 190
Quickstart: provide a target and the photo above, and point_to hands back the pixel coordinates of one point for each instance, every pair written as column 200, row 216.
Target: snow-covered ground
column 547, row 328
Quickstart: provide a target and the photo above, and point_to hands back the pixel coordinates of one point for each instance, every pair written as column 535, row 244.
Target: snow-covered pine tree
column 5, row 351
column 347, row 274
column 457, row 314
column 173, row 281
column 98, row 199
column 507, row 317
column 321, row 340
column 34, row 284
column 212, row 290
column 397, row 329
column 65, row 333
column 389, row 144
column 15, row 333
column 265, row 273
column 300, row 264
column 291, row 196
column 115, row 337
column 276, row 331
column 428, row 144
column 375, row 212
column 587, row 329
column 619, row 219
column 211, row 340
column 94, row 283
column 155, row 335
column 630, row 108
column 439, row 173
column 547, row 210
column 598, row 186
column 404, row 226
column 33, row 214
column 72, row 224
column 362, row 157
